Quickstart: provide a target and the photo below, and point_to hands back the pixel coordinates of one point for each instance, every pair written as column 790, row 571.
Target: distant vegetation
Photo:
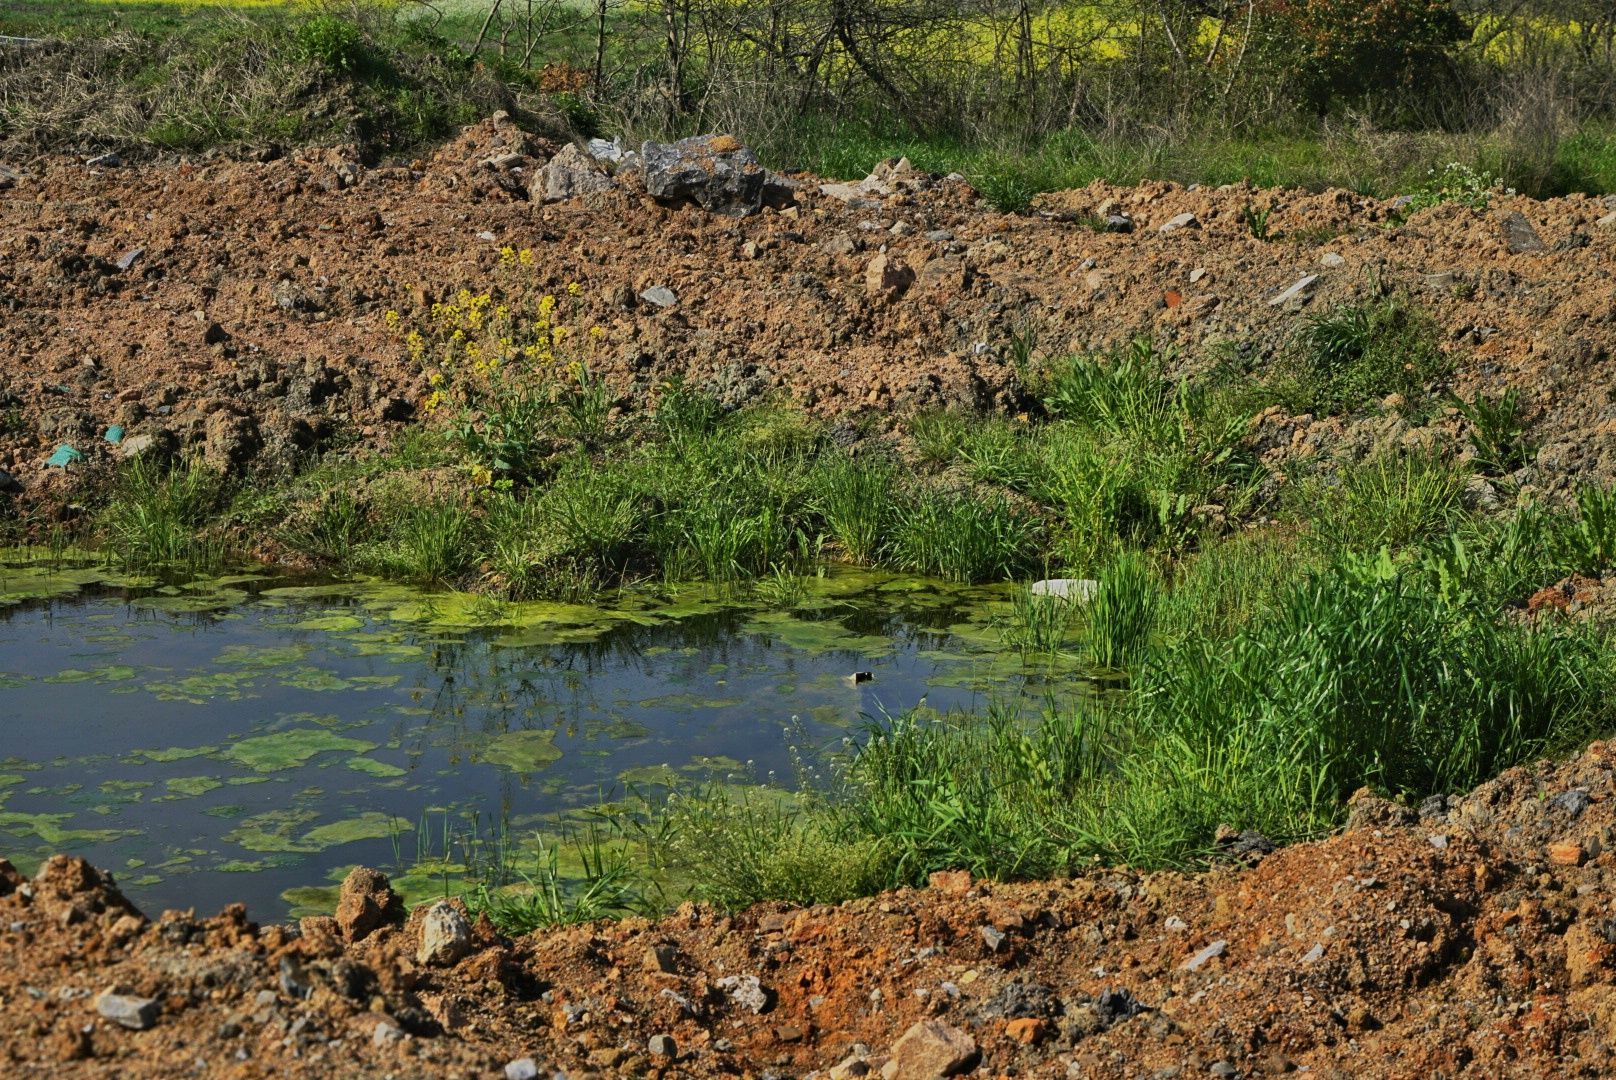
column 1021, row 96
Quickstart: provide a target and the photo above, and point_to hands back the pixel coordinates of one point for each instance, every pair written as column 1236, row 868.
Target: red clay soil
column 1474, row 936
column 249, row 322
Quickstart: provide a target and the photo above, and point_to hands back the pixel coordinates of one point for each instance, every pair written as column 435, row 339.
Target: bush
column 332, row 42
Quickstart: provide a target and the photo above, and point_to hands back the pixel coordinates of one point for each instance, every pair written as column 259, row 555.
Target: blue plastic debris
column 65, row 455
column 115, row 434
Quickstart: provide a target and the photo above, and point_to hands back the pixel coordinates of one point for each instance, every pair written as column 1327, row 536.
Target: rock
column 1118, row 223
column 1181, row 221
column 849, row 1068
column 1174, row 925
column 1440, row 280
column 134, row 446
column 127, row 259
column 929, row 1049
column 125, row 1010
column 1200, row 959
column 778, row 192
column 1222, row 1068
column 663, row 958
column 366, row 904
column 1028, row 1030
column 841, row 244
column 1315, row 954
column 715, row 172
column 1197, row 275
column 1608, row 221
column 660, row 296
column 1114, row 1006
column 445, row 935
column 215, row 334
column 746, row 992
column 386, row 1033
column 887, row 277
column 293, row 979
column 662, row 1046
column 570, row 174
column 1567, row 853
column 1572, row 802
column 940, row 236
column 522, row 1069
column 1296, row 293
column 1078, row 589
column 1519, row 236
column 611, row 153
column 1331, row 259
column 105, row 161
column 993, row 938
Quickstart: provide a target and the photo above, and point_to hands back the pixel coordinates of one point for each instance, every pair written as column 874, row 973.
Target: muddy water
column 245, row 739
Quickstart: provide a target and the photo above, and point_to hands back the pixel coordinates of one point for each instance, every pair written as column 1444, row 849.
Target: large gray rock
column 715, row 172
column 445, row 935
column 1520, row 237
column 570, row 174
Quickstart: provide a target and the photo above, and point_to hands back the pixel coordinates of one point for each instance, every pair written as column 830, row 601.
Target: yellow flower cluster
column 476, row 346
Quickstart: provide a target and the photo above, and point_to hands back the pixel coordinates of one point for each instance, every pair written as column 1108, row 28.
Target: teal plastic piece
column 115, row 434
column 65, row 455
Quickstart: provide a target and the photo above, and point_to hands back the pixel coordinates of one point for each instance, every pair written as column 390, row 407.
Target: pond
column 247, row 738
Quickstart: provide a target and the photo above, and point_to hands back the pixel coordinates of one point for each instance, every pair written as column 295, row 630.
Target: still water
column 245, row 738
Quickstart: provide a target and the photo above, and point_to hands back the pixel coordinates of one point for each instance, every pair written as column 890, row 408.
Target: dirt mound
column 1474, row 935
column 238, row 307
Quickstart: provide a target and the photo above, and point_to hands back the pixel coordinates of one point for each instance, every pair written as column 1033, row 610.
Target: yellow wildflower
column 573, row 288
column 525, row 256
column 433, row 400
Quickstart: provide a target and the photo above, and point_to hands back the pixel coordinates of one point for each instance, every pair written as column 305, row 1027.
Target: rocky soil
column 235, row 308
column 1474, row 935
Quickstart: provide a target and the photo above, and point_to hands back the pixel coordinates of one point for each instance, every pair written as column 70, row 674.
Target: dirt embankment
column 1474, row 936
column 237, row 308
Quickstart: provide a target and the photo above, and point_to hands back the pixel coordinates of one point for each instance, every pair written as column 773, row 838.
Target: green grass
column 158, row 516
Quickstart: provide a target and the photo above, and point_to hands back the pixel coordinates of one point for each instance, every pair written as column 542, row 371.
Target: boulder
column 125, row 1010
column 366, row 903
column 1520, row 237
column 715, row 172
column 445, row 935
column 887, row 277
column 930, row 1049
column 570, row 174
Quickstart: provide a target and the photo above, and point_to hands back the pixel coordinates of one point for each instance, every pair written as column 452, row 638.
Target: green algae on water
column 522, row 751
column 290, row 749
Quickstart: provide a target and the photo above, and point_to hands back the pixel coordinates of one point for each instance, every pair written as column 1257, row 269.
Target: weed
column 1256, row 221
column 938, row 435
column 328, row 529
column 1394, row 498
column 1122, row 612
column 1345, row 358
column 1587, row 542
column 683, row 414
column 430, row 543
column 156, row 516
column 1497, row 431
column 962, row 537
column 854, row 499
column 607, row 887
column 1038, row 624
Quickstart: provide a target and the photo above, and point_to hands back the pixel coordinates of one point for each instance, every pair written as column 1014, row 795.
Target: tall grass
column 1122, row 612
column 158, row 515
column 962, row 536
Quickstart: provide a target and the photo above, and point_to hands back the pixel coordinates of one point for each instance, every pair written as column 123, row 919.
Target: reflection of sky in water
column 291, row 736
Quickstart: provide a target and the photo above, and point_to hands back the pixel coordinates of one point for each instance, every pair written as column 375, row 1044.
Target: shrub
column 332, row 42
column 1395, row 498
column 1587, row 541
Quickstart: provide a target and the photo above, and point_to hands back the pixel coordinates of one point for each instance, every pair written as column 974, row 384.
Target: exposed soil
column 249, row 322
column 1474, row 936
